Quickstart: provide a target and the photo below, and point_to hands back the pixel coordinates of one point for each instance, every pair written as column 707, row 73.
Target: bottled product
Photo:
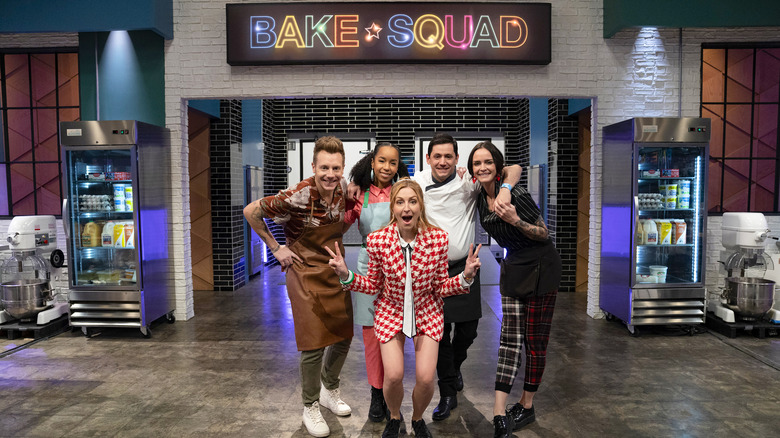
column 640, row 234
column 119, row 235
column 664, row 232
column 119, row 191
column 129, row 236
column 107, row 236
column 684, row 187
column 129, row 197
column 91, row 235
column 680, row 230
column 651, row 232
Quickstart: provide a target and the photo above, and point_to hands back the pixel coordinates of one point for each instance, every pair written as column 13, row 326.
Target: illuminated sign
column 388, row 32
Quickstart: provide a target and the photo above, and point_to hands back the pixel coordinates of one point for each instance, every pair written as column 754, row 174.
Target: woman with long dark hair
column 374, row 174
column 530, row 275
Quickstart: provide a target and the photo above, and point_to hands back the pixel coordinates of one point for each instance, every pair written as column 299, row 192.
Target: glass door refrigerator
column 654, row 221
column 116, row 221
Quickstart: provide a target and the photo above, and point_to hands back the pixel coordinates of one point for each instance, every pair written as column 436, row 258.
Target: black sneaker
column 502, row 426
column 420, row 429
column 520, row 415
column 377, row 410
column 392, row 429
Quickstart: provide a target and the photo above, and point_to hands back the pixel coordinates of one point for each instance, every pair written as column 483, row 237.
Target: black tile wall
column 522, row 155
column 564, row 165
column 390, row 119
column 227, row 195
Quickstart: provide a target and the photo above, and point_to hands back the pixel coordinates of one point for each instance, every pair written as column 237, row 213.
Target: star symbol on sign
column 373, row 31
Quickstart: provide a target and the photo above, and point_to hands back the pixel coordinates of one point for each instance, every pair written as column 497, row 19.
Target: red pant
column 374, row 368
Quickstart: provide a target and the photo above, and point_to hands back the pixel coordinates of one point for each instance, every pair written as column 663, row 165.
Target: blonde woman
column 407, row 268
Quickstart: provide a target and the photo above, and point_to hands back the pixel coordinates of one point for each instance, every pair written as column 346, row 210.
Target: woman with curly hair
column 374, row 174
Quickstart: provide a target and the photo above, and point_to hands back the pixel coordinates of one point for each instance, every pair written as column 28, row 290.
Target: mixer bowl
column 750, row 298
column 23, row 299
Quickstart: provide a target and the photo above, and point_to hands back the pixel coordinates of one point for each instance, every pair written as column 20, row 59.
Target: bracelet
column 466, row 279
column 276, row 249
column 506, row 186
column 349, row 280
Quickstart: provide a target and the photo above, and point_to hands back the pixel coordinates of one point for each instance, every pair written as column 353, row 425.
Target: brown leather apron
column 322, row 309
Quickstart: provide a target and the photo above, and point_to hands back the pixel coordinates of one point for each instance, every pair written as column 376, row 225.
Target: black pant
column 453, row 349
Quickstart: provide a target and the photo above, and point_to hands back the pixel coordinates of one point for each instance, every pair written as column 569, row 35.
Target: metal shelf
column 105, row 215
column 103, row 181
column 665, row 178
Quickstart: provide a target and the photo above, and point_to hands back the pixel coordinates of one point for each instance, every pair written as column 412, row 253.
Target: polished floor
column 232, row 371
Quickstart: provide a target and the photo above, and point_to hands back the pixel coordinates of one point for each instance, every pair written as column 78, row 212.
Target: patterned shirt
column 301, row 205
column 505, row 234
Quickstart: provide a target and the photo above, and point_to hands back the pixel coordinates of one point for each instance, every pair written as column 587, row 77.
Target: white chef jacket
column 451, row 207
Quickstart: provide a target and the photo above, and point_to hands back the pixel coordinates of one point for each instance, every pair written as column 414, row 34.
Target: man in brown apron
column 312, row 214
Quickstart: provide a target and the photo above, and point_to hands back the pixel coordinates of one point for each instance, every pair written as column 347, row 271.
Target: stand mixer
column 26, row 292
column 750, row 270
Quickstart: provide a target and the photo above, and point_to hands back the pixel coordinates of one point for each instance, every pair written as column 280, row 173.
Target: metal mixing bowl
column 23, row 299
column 750, row 298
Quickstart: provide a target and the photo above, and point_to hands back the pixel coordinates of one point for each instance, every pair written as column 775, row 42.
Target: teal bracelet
column 349, row 280
column 506, row 186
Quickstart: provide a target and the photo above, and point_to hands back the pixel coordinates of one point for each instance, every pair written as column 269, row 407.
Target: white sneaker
column 312, row 419
column 331, row 399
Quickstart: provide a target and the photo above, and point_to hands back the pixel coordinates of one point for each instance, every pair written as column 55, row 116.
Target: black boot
column 502, row 426
column 520, row 415
column 392, row 429
column 420, row 429
column 378, row 409
column 446, row 404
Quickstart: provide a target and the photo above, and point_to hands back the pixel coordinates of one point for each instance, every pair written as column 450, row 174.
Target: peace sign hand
column 472, row 262
column 337, row 263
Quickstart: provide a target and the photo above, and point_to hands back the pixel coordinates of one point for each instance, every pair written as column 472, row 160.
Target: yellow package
column 119, row 235
column 665, row 233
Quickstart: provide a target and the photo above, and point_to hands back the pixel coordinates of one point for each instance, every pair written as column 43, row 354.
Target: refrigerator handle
column 636, row 214
column 66, row 218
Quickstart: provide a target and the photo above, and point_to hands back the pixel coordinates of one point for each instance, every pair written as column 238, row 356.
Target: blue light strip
column 696, row 220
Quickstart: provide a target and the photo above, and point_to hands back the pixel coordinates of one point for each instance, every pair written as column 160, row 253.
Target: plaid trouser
column 525, row 321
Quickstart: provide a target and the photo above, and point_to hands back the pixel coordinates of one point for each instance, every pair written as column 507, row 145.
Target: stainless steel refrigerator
column 654, row 220
column 115, row 216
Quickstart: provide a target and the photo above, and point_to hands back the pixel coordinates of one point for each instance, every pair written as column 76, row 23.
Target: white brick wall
column 25, row 40
column 636, row 73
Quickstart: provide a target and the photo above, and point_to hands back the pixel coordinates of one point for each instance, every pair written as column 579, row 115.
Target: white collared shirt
column 451, row 207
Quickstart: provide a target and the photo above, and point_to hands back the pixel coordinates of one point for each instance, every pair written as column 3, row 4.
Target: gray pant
column 313, row 371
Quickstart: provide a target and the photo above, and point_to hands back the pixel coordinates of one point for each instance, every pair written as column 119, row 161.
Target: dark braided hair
column 361, row 171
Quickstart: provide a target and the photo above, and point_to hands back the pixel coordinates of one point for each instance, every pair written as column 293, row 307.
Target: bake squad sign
column 388, row 32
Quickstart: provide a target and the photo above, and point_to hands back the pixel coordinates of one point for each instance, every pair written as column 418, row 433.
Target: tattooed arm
column 537, row 231
column 508, row 213
column 254, row 216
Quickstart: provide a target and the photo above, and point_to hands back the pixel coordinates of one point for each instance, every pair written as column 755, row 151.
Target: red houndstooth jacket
column 386, row 276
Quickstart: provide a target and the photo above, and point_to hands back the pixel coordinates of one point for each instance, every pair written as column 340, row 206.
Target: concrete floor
column 232, row 371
